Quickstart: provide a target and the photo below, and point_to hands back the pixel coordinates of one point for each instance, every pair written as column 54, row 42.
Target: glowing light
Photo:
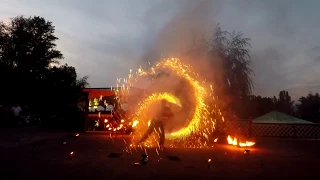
column 200, row 113
column 200, row 125
column 140, row 113
column 234, row 142
column 134, row 124
column 149, row 122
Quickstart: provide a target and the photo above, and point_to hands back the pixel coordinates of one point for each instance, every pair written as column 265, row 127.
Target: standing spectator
column 2, row 116
column 100, row 108
column 16, row 110
column 109, row 108
column 124, row 108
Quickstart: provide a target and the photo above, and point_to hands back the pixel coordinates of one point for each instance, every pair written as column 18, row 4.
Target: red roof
column 97, row 92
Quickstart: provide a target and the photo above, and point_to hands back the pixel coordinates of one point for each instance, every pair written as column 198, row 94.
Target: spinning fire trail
column 199, row 127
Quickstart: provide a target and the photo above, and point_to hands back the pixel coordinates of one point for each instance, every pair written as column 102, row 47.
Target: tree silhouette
column 284, row 103
column 29, row 67
column 233, row 50
column 254, row 106
column 229, row 57
column 64, row 82
column 28, row 48
column 309, row 107
column 29, row 44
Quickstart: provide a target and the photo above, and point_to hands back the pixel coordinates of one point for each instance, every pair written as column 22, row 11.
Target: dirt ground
column 49, row 159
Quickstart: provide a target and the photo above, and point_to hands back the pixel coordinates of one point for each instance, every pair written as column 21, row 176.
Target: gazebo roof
column 278, row 117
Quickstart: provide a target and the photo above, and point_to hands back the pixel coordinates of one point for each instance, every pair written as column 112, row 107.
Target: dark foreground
column 48, row 159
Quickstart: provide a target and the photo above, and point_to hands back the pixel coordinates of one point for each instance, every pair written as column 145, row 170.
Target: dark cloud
column 282, row 37
column 317, row 59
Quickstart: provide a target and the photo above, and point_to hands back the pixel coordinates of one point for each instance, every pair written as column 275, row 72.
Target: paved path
column 14, row 137
column 48, row 159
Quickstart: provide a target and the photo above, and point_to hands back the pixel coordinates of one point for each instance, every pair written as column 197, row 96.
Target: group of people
column 157, row 123
column 102, row 108
column 11, row 116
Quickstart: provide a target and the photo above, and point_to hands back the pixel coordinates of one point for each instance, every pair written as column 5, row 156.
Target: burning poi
column 197, row 132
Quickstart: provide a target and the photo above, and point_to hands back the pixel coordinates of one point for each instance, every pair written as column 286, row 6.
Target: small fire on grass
column 233, row 141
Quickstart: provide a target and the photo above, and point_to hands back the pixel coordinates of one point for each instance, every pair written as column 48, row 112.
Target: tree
column 309, row 107
column 28, row 47
column 254, row 106
column 284, row 103
column 229, row 56
column 232, row 50
column 28, row 66
column 65, row 83
column 30, row 44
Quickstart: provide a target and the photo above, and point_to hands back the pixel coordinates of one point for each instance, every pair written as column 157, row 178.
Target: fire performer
column 157, row 123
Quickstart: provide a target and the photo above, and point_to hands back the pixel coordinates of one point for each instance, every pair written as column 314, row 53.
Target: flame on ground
column 234, row 142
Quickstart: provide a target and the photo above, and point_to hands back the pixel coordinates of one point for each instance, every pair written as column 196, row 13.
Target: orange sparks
column 200, row 124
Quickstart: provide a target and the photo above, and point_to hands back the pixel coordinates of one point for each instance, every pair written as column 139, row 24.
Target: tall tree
column 30, row 44
column 309, row 107
column 28, row 66
column 254, row 106
column 233, row 50
column 64, row 81
column 229, row 55
column 284, row 103
column 28, row 47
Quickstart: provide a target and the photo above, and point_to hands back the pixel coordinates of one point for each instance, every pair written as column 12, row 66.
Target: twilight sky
column 105, row 38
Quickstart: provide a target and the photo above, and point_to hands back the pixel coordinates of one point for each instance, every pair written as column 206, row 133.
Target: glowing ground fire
column 199, row 128
column 234, row 142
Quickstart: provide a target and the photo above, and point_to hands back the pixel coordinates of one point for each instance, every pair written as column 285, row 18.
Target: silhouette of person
column 157, row 123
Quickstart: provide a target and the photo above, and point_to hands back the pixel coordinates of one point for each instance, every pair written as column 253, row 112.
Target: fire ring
column 200, row 120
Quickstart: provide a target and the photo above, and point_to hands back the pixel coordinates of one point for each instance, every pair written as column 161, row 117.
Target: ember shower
column 193, row 102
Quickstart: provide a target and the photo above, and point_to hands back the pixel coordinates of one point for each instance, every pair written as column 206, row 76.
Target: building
column 102, row 108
